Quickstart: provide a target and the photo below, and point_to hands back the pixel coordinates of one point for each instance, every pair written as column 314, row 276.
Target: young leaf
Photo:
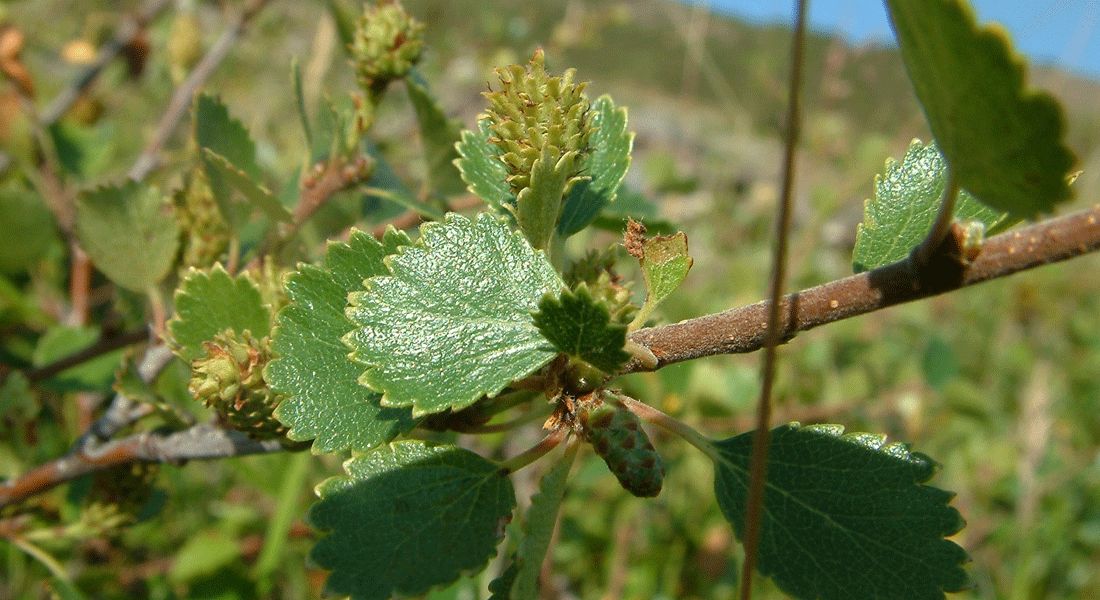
column 211, row 301
column 482, row 170
column 453, row 322
column 324, row 401
column 665, row 265
column 259, row 196
column 541, row 517
column 538, row 207
column 907, row 198
column 608, row 161
column 409, row 517
column 580, row 326
column 1003, row 142
column 226, row 137
column 130, row 232
column 845, row 517
column 438, row 134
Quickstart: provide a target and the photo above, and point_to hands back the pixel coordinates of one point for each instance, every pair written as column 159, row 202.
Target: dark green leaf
column 83, row 152
column 325, row 402
column 28, row 228
column 130, row 232
column 501, row 587
column 259, row 196
column 482, row 170
column 607, row 164
column 1003, row 142
column 409, row 517
column 907, row 198
column 225, row 136
column 62, row 341
column 209, row 302
column 438, row 135
column 845, row 517
column 453, row 322
column 580, row 326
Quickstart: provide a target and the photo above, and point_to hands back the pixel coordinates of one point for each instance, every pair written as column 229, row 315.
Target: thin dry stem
column 185, row 93
column 761, row 437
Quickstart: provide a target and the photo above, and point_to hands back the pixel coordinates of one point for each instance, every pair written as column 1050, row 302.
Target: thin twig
column 65, row 99
column 123, row 411
column 754, row 503
column 202, row 442
column 744, row 329
column 185, row 92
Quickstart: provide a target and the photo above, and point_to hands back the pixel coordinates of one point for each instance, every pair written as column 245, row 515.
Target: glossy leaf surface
column 325, row 401
column 453, row 321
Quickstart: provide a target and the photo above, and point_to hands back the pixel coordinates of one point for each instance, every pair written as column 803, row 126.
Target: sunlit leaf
column 1004, row 142
column 453, row 321
column 907, row 198
column 325, row 402
column 211, row 301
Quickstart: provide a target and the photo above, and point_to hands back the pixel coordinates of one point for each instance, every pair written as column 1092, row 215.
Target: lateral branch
column 744, row 329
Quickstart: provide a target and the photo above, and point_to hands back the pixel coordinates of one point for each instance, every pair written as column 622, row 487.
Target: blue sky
column 1065, row 32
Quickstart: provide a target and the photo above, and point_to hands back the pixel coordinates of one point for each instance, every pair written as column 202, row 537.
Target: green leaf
column 204, row 554
column 580, row 326
column 345, row 24
column 28, row 228
column 665, row 265
column 438, row 134
column 226, row 137
column 62, row 341
column 538, row 206
column 84, row 152
column 845, row 517
column 453, row 322
column 325, row 402
column 1003, row 142
column 130, row 232
column 211, row 301
column 300, row 99
column 409, row 517
column 259, row 196
column 607, row 164
column 501, row 587
column 907, row 198
column 539, row 528
column 484, row 173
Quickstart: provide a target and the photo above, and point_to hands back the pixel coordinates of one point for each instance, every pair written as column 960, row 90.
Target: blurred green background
column 1000, row 383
